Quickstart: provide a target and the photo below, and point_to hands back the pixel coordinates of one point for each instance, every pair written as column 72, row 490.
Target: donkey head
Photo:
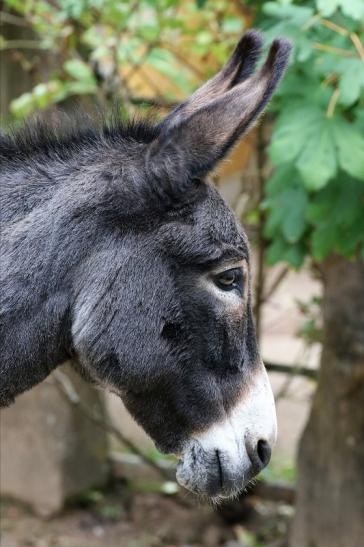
column 163, row 316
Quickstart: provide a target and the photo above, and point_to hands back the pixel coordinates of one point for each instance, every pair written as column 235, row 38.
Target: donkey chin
column 221, row 461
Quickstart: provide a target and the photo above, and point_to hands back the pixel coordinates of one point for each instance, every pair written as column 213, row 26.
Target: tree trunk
column 330, row 497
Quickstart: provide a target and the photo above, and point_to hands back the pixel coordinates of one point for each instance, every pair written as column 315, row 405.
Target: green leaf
column 296, row 15
column 351, row 83
column 327, row 7
column 285, row 205
column 292, row 132
column 79, row 70
column 352, row 8
column 295, row 255
column 232, row 24
column 22, row 106
column 317, row 162
column 350, row 144
column 282, row 178
column 41, row 96
column 294, row 223
column 303, row 136
column 276, row 251
column 336, row 216
column 280, row 250
column 80, row 88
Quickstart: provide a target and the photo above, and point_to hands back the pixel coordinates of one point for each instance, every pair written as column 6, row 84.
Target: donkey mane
column 61, row 134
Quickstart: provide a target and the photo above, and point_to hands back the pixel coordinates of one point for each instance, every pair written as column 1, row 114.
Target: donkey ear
column 239, row 67
column 199, row 133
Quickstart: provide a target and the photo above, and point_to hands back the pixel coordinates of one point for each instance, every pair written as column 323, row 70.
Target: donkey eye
column 230, row 280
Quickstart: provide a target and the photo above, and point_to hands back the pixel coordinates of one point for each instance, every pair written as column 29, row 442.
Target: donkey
column 117, row 253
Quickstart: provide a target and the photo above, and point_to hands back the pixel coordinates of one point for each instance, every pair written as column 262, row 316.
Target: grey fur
column 105, row 237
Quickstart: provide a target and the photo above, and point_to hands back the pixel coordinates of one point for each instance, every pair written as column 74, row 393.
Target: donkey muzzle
column 220, row 461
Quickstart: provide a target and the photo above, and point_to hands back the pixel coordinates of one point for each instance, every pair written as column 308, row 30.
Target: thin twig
column 345, row 32
column 69, row 390
column 21, row 44
column 11, row 19
column 358, row 45
column 300, row 370
column 284, row 389
column 275, row 284
column 275, row 491
column 332, row 103
column 194, row 69
column 134, row 67
column 335, row 50
column 333, row 26
column 149, row 81
column 157, row 102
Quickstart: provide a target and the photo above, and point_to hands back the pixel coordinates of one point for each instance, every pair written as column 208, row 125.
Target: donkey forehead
column 205, row 231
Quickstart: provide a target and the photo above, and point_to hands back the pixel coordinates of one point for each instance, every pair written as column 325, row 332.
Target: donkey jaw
column 221, row 461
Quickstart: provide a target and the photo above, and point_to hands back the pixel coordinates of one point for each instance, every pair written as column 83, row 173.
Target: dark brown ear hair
column 200, row 132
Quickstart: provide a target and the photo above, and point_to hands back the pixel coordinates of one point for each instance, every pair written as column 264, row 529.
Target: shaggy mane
column 61, row 133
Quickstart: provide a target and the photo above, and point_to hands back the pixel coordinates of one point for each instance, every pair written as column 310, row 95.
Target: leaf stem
column 332, row 103
column 333, row 26
column 358, row 45
column 334, row 50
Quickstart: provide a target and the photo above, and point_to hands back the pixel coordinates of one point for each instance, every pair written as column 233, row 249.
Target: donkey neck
column 42, row 241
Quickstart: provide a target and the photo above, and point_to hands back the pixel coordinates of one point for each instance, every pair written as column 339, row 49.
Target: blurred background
column 75, row 469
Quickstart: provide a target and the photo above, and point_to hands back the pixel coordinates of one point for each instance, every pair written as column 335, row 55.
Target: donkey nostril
column 259, row 454
column 264, row 452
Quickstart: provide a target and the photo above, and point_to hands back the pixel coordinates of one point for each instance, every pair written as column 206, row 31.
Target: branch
column 194, row 69
column 275, row 284
column 11, row 19
column 358, row 45
column 67, row 388
column 292, row 369
column 345, row 32
column 335, row 50
column 157, row 102
column 333, row 26
column 275, row 491
column 21, row 44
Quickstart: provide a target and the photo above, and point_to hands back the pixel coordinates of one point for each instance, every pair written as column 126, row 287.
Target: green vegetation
column 315, row 198
column 97, row 46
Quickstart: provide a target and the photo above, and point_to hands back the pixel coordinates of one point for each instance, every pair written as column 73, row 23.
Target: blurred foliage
column 98, row 46
column 315, row 198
